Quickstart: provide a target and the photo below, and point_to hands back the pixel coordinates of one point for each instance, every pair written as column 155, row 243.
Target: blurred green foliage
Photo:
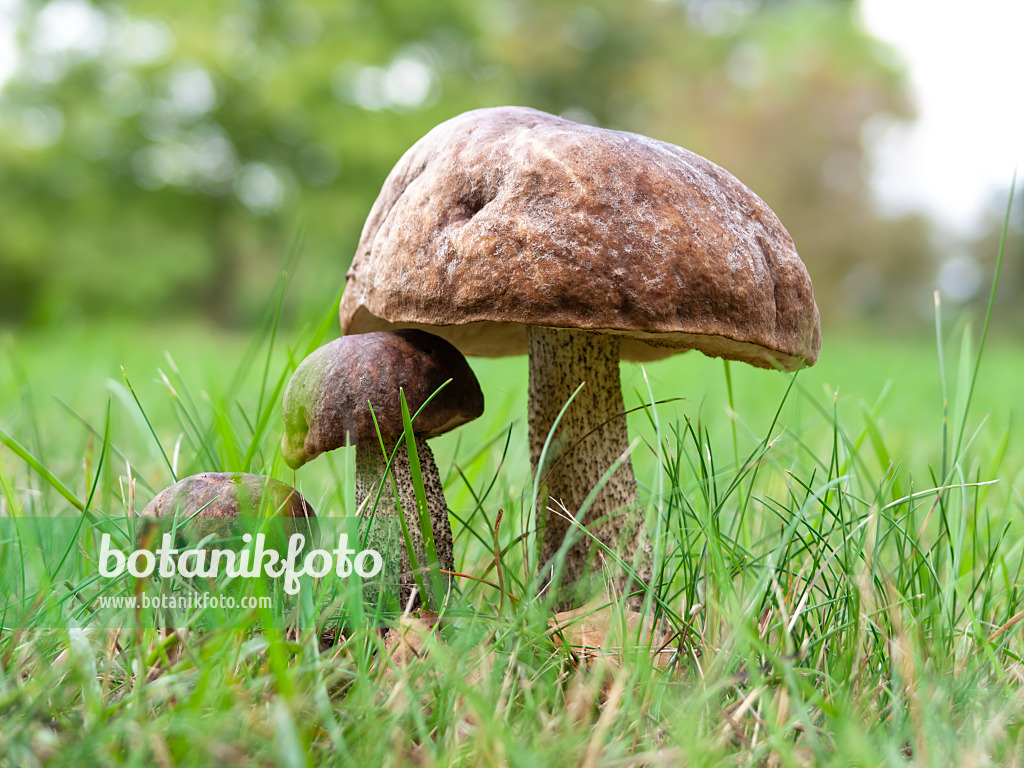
column 159, row 158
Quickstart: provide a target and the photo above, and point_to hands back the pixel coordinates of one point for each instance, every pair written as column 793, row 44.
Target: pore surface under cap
column 506, row 217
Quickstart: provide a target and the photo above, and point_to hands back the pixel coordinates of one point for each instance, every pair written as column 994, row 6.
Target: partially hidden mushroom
column 347, row 393
column 217, row 509
column 209, row 503
column 509, row 230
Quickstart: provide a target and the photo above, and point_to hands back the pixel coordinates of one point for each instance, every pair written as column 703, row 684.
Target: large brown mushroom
column 509, row 230
column 339, row 390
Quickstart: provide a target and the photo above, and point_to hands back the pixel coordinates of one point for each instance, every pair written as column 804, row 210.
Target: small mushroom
column 508, row 230
column 336, row 393
column 210, row 501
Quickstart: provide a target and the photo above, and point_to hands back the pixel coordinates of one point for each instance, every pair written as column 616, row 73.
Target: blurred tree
column 974, row 261
column 157, row 157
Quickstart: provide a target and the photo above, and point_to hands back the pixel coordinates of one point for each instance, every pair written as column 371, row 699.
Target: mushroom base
column 370, row 465
column 591, row 436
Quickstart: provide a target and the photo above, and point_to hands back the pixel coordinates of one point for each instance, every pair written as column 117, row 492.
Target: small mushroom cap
column 326, row 403
column 220, row 497
column 228, row 494
column 507, row 217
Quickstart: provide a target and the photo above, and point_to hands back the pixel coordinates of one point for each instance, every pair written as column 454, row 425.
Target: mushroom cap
column 326, row 402
column 506, row 217
column 228, row 494
column 212, row 501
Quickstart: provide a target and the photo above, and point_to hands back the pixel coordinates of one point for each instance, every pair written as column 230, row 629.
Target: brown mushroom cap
column 325, row 405
column 211, row 502
column 228, row 494
column 507, row 217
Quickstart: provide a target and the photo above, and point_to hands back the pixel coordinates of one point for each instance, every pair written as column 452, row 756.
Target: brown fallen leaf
column 594, row 632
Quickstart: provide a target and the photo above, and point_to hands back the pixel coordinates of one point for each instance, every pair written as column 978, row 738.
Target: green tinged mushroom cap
column 327, row 404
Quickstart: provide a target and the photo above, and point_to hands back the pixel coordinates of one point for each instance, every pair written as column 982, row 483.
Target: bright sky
column 8, row 57
column 964, row 60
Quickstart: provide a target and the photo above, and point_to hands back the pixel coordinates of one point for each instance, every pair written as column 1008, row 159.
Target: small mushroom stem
column 591, row 436
column 370, row 465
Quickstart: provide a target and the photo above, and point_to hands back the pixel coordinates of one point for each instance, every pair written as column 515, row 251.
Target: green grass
column 840, row 582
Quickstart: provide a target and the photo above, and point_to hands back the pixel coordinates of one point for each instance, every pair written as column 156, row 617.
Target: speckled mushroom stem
column 370, row 464
column 591, row 436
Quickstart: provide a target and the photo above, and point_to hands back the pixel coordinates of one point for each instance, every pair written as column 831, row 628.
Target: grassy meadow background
column 183, row 186
column 802, row 633
column 54, row 379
